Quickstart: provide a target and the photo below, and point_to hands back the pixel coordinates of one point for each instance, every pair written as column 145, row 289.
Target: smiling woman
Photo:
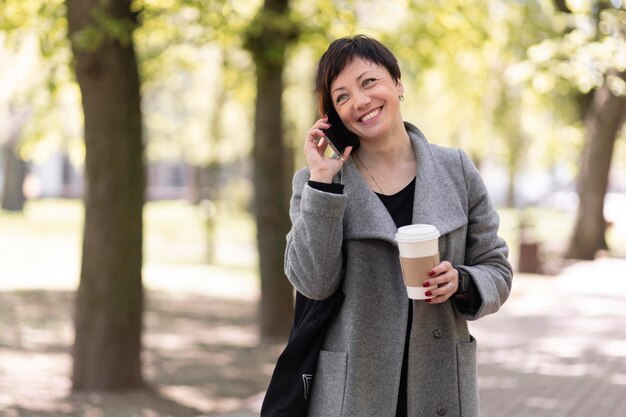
column 366, row 97
column 385, row 354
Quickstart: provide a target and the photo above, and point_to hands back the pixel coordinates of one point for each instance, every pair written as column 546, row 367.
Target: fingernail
column 431, row 273
column 426, row 284
column 427, row 300
column 428, row 293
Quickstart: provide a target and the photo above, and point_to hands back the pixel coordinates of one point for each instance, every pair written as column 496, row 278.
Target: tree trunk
column 516, row 152
column 13, row 198
column 109, row 302
column 602, row 123
column 268, row 41
column 15, row 169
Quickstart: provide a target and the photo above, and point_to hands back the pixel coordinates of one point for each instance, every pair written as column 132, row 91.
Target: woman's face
column 367, row 99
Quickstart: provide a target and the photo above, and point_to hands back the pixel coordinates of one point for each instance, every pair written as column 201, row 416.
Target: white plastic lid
column 417, row 233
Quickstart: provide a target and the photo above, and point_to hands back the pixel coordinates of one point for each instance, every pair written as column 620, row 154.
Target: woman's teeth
column 370, row 115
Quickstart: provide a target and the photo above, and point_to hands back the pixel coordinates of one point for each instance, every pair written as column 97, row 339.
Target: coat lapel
column 366, row 217
column 436, row 201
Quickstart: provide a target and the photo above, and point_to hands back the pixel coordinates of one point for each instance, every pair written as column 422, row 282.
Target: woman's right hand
column 322, row 168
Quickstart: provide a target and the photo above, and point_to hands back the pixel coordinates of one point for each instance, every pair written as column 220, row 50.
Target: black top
column 400, row 208
column 400, row 204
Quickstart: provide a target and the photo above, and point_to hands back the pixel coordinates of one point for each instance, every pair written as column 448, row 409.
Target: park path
column 557, row 347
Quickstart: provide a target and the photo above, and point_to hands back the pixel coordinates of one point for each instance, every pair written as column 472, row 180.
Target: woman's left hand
column 447, row 280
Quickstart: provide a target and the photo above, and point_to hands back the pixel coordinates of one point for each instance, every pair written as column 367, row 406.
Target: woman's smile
column 366, row 98
column 369, row 116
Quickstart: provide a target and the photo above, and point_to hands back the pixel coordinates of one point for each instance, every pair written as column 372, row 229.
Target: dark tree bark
column 602, row 124
column 13, row 197
column 15, row 168
column 267, row 40
column 109, row 302
column 561, row 6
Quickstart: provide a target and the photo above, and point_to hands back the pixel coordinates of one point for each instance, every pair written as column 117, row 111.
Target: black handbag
column 289, row 390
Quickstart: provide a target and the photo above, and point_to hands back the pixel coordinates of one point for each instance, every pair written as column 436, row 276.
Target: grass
column 177, row 232
column 49, row 232
column 41, row 247
column 552, row 229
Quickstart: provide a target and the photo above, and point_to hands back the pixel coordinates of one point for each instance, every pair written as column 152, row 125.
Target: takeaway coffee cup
column 419, row 253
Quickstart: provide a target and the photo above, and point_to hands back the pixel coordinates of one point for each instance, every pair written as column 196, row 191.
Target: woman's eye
column 368, row 81
column 340, row 98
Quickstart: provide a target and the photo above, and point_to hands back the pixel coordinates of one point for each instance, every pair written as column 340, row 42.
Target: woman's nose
column 361, row 100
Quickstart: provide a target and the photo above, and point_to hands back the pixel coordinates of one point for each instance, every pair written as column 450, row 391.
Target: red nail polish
column 426, row 284
column 431, row 273
column 427, row 300
column 428, row 293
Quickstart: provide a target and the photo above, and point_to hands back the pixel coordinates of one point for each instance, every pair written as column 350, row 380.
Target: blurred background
column 146, row 155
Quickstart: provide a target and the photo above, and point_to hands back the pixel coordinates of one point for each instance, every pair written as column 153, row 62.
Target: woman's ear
column 400, row 87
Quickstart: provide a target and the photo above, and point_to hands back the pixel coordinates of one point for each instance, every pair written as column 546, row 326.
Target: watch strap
column 464, row 278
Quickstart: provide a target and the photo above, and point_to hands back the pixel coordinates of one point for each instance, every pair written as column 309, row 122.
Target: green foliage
column 494, row 77
column 44, row 20
column 582, row 50
column 456, row 56
column 33, row 41
column 104, row 27
column 190, row 55
column 322, row 21
column 592, row 45
column 268, row 36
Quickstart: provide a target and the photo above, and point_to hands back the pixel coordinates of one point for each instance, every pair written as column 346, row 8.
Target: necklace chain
column 369, row 173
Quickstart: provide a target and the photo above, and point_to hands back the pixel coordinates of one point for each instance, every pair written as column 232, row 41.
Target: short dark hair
column 342, row 52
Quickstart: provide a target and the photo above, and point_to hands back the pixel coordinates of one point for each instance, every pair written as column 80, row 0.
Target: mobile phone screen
column 336, row 154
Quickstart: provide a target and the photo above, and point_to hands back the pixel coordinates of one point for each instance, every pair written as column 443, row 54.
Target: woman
column 385, row 355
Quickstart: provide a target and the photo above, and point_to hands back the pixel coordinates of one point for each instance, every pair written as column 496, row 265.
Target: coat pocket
column 329, row 383
column 468, row 383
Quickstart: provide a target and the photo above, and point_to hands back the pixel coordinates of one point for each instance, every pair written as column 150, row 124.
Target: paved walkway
column 557, row 348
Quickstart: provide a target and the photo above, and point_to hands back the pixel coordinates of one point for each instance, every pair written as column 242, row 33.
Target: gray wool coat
column 359, row 367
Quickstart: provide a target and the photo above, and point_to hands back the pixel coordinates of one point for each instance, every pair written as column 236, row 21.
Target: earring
column 401, row 97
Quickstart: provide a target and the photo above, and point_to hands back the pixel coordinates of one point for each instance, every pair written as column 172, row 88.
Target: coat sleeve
column 486, row 253
column 313, row 256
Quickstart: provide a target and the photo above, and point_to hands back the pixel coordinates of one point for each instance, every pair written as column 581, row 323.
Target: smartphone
column 339, row 137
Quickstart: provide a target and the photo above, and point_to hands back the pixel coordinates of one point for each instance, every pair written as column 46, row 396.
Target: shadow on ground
column 555, row 349
column 202, row 356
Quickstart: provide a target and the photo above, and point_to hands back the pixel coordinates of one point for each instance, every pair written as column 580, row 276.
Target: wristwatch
column 464, row 278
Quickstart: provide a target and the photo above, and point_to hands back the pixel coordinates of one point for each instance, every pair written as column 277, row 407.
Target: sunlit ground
column 557, row 348
column 202, row 347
